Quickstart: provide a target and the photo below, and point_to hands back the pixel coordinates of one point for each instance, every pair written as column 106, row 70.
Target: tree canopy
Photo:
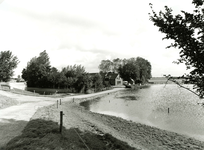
column 8, row 62
column 39, row 73
column 186, row 30
column 137, row 69
column 105, row 66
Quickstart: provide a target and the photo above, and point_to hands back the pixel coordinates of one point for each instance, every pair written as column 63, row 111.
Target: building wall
column 118, row 80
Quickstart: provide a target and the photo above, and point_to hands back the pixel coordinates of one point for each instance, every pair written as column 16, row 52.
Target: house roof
column 93, row 74
column 110, row 75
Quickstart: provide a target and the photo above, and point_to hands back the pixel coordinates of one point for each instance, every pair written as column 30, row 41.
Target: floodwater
column 167, row 107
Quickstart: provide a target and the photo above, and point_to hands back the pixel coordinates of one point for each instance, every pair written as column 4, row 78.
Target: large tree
column 83, row 83
column 97, row 82
column 8, row 62
column 129, row 71
column 186, row 30
column 73, row 74
column 116, row 64
column 137, row 69
column 111, row 65
column 106, row 66
column 53, row 77
column 37, row 71
column 144, row 69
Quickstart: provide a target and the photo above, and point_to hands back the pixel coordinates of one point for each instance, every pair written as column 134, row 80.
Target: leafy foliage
column 116, row 64
column 105, row 66
column 110, row 66
column 187, row 32
column 40, row 74
column 137, row 69
column 37, row 71
column 97, row 82
column 8, row 63
column 83, row 83
column 130, row 71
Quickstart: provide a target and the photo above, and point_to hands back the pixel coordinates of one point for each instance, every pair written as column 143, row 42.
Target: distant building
column 113, row 78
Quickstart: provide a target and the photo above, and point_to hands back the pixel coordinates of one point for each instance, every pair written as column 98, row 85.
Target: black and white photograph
column 101, row 74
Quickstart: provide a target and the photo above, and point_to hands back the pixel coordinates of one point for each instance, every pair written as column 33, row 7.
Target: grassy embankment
column 41, row 134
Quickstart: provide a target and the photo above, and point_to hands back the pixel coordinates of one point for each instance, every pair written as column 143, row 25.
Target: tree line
column 39, row 73
column 137, row 70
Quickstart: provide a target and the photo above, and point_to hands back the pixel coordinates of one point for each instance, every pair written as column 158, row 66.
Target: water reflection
column 150, row 106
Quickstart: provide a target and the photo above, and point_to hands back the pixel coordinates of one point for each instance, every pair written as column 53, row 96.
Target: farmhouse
column 113, row 78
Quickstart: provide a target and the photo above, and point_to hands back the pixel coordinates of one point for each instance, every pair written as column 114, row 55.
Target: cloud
column 85, row 32
column 1, row 1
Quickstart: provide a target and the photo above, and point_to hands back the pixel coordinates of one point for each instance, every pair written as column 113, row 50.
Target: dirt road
column 29, row 104
column 26, row 107
column 13, row 119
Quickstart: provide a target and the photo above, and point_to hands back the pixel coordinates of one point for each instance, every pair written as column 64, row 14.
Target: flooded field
column 166, row 107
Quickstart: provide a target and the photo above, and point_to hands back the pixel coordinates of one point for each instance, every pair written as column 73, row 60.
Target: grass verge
column 42, row 134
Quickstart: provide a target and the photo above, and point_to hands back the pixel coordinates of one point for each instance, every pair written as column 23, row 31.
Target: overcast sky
column 87, row 31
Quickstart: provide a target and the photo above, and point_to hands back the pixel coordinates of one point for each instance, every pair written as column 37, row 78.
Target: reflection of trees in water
column 87, row 104
column 127, row 95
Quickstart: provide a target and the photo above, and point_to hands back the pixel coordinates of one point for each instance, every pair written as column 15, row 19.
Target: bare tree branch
column 173, row 79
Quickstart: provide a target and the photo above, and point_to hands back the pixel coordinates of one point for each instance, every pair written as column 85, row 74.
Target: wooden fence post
column 61, row 120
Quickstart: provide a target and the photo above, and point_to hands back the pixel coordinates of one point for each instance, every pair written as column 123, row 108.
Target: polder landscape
column 97, row 114
column 121, row 107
